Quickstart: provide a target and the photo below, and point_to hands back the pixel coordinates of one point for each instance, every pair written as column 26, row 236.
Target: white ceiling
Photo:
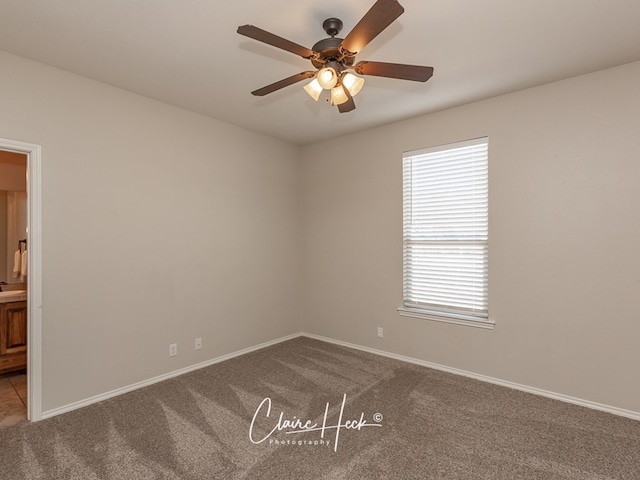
column 187, row 52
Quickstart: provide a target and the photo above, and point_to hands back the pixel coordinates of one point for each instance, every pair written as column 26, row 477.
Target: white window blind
column 445, row 227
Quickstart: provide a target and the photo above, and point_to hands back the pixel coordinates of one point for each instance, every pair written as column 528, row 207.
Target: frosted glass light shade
column 338, row 96
column 313, row 89
column 352, row 83
column 327, row 78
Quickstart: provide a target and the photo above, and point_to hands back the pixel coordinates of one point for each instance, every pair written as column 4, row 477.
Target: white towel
column 23, row 266
column 17, row 263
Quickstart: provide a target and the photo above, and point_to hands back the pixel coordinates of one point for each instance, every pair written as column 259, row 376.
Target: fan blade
column 348, row 105
column 416, row 73
column 283, row 83
column 379, row 17
column 271, row 39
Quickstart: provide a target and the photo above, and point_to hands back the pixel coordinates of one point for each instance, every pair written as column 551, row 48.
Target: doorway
column 13, row 287
column 30, row 385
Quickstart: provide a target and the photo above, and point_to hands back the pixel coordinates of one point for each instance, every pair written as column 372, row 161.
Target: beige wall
column 13, row 167
column 159, row 226
column 6, row 267
column 564, row 238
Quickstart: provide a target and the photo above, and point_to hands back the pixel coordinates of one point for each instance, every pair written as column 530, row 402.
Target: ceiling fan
column 333, row 57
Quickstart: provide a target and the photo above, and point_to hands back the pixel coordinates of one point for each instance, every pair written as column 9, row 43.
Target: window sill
column 457, row 320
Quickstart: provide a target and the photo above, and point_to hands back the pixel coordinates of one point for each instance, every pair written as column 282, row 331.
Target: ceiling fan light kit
column 327, row 77
column 314, row 89
column 352, row 83
column 338, row 95
column 333, row 57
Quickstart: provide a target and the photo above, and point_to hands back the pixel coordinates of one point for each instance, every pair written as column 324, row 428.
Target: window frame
column 479, row 240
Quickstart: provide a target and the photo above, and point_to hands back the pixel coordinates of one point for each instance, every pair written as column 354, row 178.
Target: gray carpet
column 432, row 425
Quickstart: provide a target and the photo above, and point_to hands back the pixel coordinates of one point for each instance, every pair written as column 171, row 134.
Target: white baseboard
column 484, row 378
column 160, row 378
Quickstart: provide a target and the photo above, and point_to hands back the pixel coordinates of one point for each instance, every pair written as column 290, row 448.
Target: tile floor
column 13, row 399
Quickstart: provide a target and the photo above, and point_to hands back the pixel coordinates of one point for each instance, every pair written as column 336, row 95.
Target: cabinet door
column 14, row 328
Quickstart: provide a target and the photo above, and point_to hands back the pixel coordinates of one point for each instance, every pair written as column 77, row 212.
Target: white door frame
column 34, row 272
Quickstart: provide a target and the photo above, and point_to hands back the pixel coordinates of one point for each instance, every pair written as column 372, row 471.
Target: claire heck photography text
column 283, row 430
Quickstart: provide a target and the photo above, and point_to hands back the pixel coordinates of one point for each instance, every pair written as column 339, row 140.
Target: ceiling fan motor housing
column 328, row 49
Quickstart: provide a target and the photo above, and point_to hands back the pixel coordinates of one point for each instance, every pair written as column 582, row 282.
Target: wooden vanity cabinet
column 13, row 336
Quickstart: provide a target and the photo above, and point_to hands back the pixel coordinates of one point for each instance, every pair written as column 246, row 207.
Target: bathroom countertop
column 13, row 296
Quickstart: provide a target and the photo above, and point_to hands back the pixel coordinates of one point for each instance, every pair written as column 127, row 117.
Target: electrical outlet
column 198, row 344
column 173, row 349
column 380, row 332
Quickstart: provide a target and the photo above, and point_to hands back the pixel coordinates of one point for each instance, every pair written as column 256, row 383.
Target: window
column 445, row 229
